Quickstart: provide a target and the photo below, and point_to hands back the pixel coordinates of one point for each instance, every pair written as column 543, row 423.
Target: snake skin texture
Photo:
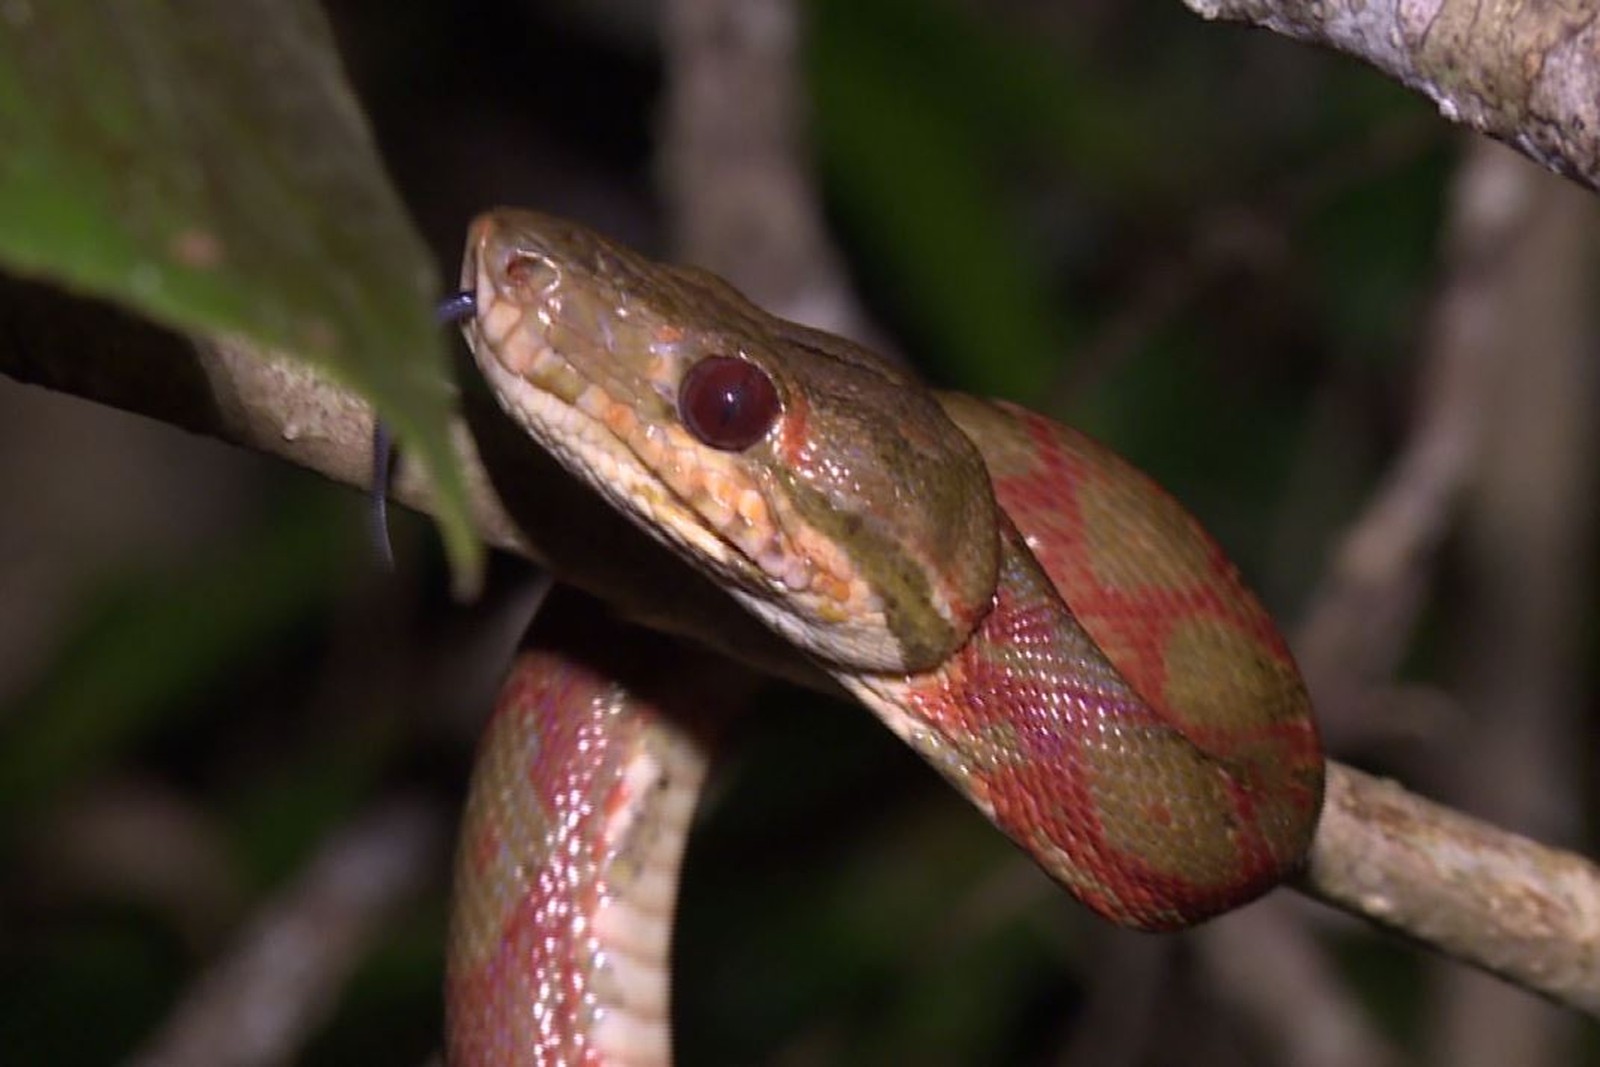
column 1127, row 712
column 567, row 867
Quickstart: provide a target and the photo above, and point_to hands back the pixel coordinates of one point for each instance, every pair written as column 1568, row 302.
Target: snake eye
column 727, row 403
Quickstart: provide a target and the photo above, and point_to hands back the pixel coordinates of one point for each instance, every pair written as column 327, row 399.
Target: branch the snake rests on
column 1040, row 621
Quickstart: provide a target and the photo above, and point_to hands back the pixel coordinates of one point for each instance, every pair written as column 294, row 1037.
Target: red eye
column 727, row 403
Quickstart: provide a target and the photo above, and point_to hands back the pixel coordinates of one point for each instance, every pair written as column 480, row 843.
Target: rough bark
column 1525, row 74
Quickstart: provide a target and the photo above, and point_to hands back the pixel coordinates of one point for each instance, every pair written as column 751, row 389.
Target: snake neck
column 1150, row 819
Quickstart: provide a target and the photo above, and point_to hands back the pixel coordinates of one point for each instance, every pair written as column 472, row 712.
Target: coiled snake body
column 1040, row 621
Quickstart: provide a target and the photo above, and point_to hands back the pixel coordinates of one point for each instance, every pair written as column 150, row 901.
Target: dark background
column 1217, row 250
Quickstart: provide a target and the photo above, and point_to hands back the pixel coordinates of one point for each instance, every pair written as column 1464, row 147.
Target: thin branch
column 734, row 164
column 1362, row 615
column 136, row 839
column 258, row 1004
column 1268, row 966
column 1523, row 585
column 275, row 405
column 1498, row 901
column 1227, row 237
column 1525, row 74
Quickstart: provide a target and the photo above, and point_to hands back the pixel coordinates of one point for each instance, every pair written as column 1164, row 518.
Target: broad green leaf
column 206, row 165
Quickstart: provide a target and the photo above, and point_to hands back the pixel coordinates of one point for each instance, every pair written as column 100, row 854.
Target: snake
column 1038, row 619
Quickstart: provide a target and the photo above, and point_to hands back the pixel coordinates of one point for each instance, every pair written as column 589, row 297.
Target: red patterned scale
column 534, row 867
column 1133, row 720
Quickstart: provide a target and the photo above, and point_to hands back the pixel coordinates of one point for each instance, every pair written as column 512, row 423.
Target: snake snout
column 511, row 255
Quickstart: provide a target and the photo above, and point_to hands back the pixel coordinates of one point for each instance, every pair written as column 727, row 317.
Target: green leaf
column 206, row 165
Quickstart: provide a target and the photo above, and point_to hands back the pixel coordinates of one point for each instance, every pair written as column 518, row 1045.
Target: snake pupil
column 727, row 403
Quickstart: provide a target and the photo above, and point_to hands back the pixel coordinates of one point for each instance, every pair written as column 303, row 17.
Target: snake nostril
column 530, row 272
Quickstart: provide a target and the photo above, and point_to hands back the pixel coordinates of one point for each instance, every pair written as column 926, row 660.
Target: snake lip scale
column 1045, row 625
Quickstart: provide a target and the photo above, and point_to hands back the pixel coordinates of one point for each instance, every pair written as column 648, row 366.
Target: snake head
column 822, row 487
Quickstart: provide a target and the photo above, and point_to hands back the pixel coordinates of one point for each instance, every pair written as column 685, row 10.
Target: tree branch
column 1359, row 622
column 1486, row 897
column 1525, row 74
column 735, row 166
column 1514, row 908
column 256, row 1005
column 275, row 405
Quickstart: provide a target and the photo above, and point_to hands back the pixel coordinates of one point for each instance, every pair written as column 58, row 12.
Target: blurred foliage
column 1207, row 246
column 149, row 644
column 206, row 165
